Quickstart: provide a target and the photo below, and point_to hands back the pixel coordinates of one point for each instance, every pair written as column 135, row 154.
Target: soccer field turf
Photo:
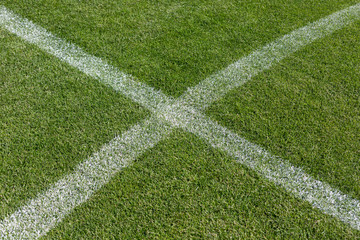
column 304, row 109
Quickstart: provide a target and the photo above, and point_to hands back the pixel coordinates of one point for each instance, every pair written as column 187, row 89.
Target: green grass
column 184, row 189
column 305, row 110
column 52, row 117
column 173, row 45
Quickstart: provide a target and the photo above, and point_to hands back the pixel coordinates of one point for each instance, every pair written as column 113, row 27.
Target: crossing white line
column 42, row 213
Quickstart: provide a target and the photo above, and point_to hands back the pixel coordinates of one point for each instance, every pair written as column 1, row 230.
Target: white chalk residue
column 49, row 208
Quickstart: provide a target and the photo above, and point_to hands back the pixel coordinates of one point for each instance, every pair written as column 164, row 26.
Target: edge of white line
column 76, row 57
column 320, row 194
column 46, row 210
column 238, row 73
column 88, row 177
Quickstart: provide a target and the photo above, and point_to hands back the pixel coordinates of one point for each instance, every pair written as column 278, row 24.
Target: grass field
column 304, row 109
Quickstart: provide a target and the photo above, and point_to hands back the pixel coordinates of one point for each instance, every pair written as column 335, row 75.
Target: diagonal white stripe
column 238, row 73
column 74, row 56
column 42, row 213
column 321, row 195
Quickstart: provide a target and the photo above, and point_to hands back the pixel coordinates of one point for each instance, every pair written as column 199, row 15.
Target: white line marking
column 238, row 73
column 42, row 213
column 90, row 65
column 321, row 195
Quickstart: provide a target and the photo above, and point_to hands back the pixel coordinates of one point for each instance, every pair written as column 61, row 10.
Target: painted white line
column 74, row 56
column 321, row 195
column 42, row 213
column 238, row 73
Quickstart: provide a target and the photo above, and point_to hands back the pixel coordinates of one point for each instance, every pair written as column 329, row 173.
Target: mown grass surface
column 51, row 118
column 184, row 189
column 305, row 110
column 172, row 45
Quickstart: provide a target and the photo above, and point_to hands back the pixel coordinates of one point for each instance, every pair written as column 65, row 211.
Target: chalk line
column 43, row 212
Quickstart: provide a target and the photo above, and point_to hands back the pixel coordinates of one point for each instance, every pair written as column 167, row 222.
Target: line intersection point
column 43, row 213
